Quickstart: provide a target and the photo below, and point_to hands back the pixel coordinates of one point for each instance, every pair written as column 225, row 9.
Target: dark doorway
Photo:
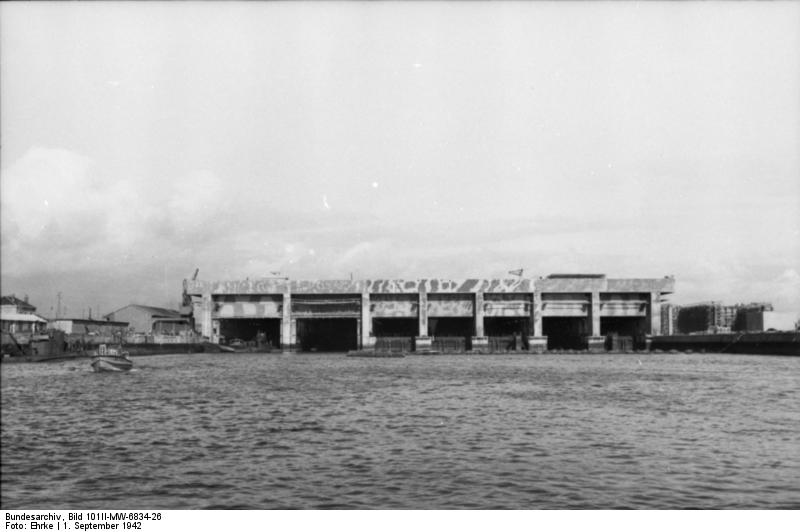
column 451, row 334
column 395, row 327
column 622, row 326
column 451, row 327
column 507, row 334
column 394, row 334
column 253, row 332
column 506, row 326
column 565, row 333
column 327, row 334
column 623, row 333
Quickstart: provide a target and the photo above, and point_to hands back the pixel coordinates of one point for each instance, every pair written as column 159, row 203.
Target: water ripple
column 328, row 432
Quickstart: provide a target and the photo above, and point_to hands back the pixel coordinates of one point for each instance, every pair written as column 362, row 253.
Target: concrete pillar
column 655, row 313
column 207, row 308
column 536, row 314
column 595, row 314
column 423, row 342
column 595, row 343
column 480, row 342
column 423, row 311
column 670, row 320
column 286, row 321
column 537, row 343
column 367, row 341
column 479, row 314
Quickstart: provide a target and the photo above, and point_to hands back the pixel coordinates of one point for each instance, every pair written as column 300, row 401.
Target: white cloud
column 42, row 186
column 58, row 214
column 609, row 165
column 53, row 212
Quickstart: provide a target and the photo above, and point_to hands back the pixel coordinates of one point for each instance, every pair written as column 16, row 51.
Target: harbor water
column 273, row 431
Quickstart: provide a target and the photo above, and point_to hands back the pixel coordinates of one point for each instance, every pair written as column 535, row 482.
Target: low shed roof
column 8, row 316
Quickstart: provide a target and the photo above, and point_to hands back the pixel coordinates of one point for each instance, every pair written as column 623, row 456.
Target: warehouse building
column 145, row 319
column 561, row 311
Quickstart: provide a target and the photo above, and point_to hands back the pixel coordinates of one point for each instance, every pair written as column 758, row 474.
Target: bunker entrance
column 451, row 334
column 327, row 334
column 565, row 333
column 507, row 334
column 395, row 327
column 623, row 333
column 265, row 333
column 395, row 334
column 622, row 326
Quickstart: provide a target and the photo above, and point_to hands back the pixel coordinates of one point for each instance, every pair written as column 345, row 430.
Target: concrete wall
column 571, row 304
column 326, row 305
column 394, row 305
column 450, row 305
column 376, row 286
column 258, row 306
column 615, row 304
column 513, row 305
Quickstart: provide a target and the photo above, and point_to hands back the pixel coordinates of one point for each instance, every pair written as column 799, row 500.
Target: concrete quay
column 761, row 343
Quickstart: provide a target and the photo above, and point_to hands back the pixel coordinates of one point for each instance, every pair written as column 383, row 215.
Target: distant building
column 84, row 326
column 758, row 319
column 714, row 317
column 14, row 304
column 19, row 316
column 150, row 320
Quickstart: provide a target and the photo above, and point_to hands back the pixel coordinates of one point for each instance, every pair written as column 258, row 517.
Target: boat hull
column 111, row 364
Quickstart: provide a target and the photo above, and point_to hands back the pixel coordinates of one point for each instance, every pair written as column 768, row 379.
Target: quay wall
column 768, row 343
column 56, row 344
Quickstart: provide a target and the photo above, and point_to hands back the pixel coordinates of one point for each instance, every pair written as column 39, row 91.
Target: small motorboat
column 110, row 359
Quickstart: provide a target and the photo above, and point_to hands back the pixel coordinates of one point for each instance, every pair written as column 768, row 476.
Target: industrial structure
column 713, row 317
column 562, row 311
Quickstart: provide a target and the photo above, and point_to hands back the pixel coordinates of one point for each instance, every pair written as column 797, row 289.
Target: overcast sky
column 453, row 139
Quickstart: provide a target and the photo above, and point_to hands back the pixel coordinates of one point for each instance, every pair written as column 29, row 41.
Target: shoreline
column 771, row 343
column 344, row 354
